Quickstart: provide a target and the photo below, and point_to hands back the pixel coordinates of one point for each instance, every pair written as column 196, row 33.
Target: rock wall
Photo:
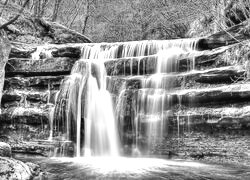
column 29, row 96
column 32, row 81
column 208, row 116
column 206, row 112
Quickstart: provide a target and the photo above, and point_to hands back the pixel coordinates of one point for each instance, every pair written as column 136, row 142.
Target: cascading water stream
column 51, row 114
column 85, row 113
column 153, row 99
column 101, row 136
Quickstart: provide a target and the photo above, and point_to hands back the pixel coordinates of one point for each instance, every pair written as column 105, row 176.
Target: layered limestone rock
column 209, row 101
column 32, row 80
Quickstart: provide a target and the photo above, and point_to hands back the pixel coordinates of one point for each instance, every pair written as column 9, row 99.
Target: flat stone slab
column 20, row 50
column 217, row 116
column 25, row 115
column 44, row 67
column 47, row 148
column 26, row 97
column 56, row 59
column 203, row 97
column 36, row 82
column 220, row 116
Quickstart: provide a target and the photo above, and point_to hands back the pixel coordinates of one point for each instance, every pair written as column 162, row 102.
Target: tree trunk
column 86, row 9
column 4, row 5
column 56, row 9
column 35, row 13
column 85, row 23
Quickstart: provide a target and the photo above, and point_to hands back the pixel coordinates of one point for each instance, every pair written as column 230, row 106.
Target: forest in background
column 128, row 20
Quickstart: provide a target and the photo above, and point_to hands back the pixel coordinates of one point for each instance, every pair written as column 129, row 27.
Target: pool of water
column 123, row 168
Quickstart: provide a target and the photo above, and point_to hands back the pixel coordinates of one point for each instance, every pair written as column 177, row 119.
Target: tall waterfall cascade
column 85, row 111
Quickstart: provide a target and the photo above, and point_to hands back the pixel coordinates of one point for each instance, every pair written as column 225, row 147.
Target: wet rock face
column 205, row 112
column 5, row 149
column 44, row 67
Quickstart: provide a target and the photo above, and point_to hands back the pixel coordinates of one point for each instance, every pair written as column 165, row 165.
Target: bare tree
column 87, row 9
column 56, row 9
column 16, row 17
column 4, row 5
column 39, row 7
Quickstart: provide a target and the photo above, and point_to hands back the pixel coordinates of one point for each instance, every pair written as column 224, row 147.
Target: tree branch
column 16, row 17
column 4, row 5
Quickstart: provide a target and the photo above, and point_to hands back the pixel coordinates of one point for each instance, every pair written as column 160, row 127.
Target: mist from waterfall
column 85, row 112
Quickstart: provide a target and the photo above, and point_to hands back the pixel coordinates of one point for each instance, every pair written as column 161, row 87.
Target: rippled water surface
column 122, row 168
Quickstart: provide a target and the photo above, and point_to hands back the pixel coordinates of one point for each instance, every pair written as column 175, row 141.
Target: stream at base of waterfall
column 128, row 168
column 86, row 115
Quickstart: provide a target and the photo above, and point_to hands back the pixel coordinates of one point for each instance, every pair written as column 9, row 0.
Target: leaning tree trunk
column 5, row 48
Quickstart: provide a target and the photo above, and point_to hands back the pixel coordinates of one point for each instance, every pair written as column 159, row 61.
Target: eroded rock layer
column 207, row 103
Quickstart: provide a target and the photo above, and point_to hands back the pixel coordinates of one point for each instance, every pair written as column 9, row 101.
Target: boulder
column 5, row 149
column 12, row 169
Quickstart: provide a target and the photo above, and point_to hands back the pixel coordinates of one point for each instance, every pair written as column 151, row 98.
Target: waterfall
column 85, row 111
column 153, row 99
column 101, row 136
